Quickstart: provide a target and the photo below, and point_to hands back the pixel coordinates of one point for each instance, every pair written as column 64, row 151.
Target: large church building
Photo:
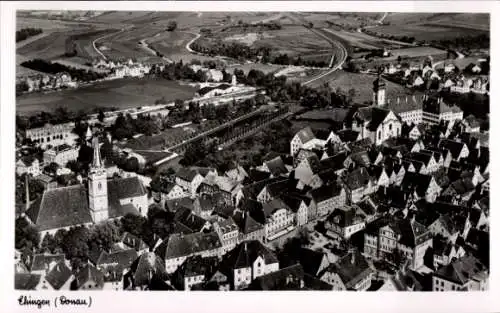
column 100, row 200
column 416, row 109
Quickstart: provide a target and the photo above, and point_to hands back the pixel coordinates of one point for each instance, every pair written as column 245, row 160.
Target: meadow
column 123, row 93
column 363, row 84
column 428, row 31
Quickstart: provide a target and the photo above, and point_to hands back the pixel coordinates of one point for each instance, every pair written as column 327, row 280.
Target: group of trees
column 126, row 126
column 27, row 32
column 408, row 39
column 248, row 152
column 258, row 27
column 171, row 26
column 261, row 54
column 54, row 68
column 481, row 41
column 79, row 242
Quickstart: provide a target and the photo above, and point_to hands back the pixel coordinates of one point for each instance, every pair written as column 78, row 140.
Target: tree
column 133, row 224
column 85, row 155
column 52, row 168
column 131, row 165
column 26, row 236
column 100, row 116
column 75, row 243
column 351, row 94
column 104, row 235
column 171, row 26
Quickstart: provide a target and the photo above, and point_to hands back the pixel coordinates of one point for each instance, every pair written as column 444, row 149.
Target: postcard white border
column 205, row 302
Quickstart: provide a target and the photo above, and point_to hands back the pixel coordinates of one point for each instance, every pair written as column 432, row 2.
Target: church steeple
column 98, row 186
column 96, row 161
column 88, row 134
column 379, row 91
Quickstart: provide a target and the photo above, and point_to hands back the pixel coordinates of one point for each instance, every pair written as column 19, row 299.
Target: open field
column 348, row 19
column 123, row 93
column 125, row 44
column 293, row 40
column 365, row 41
column 362, row 84
column 428, row 31
column 479, row 21
column 47, row 24
column 169, row 43
column 417, row 52
column 48, row 47
column 184, row 20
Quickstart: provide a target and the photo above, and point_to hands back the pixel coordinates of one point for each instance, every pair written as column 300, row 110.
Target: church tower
column 98, row 186
column 379, row 92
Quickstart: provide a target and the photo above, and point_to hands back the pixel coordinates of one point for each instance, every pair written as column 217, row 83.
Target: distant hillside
column 479, row 21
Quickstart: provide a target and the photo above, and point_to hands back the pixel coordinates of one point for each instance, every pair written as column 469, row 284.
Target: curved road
column 335, row 43
column 102, row 37
column 188, row 45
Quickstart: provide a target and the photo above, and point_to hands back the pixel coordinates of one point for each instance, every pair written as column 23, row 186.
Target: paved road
column 335, row 43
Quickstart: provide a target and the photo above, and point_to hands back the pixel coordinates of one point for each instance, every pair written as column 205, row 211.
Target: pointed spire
column 88, row 134
column 96, row 161
column 27, row 193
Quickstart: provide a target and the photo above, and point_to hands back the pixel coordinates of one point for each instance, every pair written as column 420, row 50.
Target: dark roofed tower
column 379, row 92
column 98, row 186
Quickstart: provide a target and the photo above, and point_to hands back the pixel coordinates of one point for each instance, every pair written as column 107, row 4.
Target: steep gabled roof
column 58, row 275
column 89, row 273
column 180, row 245
column 357, row 178
column 289, row 278
column 147, row 267
column 61, row 207
column 326, row 192
column 463, row 270
column 347, row 216
column 42, row 261
column 246, row 223
column 244, row 255
column 26, row 281
column 455, row 147
column 351, row 269
column 305, row 135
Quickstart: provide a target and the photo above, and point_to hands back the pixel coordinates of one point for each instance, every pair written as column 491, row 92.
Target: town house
column 189, row 180
column 249, row 260
column 343, row 222
column 327, row 198
column 387, row 234
column 359, row 183
column 464, row 274
column 178, row 247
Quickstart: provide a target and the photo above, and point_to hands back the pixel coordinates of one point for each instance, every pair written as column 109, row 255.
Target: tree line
column 25, row 33
column 54, row 68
